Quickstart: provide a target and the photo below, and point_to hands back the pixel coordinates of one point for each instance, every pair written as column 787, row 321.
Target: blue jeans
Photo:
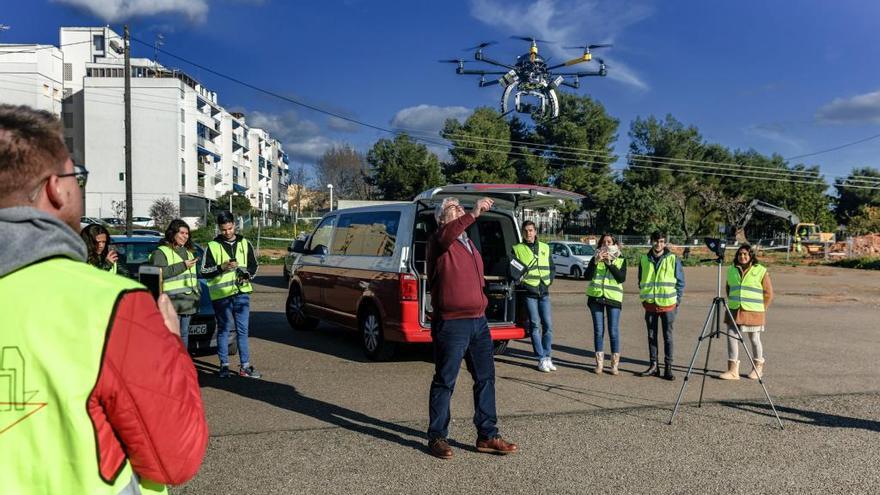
column 233, row 311
column 599, row 311
column 454, row 340
column 184, row 329
column 539, row 310
column 667, row 320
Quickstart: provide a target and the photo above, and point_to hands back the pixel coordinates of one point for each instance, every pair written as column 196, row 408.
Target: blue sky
column 784, row 77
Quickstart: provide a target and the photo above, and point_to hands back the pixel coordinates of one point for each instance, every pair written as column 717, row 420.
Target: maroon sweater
column 455, row 275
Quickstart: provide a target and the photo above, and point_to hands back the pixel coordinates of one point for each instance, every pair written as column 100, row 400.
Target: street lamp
column 331, row 196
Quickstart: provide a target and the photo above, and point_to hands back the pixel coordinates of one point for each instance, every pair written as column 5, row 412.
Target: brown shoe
column 440, row 448
column 496, row 445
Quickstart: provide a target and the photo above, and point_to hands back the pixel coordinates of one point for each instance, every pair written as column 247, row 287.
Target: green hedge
column 864, row 263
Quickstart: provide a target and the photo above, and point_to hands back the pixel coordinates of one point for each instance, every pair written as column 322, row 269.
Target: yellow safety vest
column 658, row 286
column 540, row 272
column 226, row 284
column 604, row 284
column 746, row 292
column 183, row 283
column 50, row 360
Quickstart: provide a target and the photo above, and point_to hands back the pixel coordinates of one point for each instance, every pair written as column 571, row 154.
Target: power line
column 875, row 136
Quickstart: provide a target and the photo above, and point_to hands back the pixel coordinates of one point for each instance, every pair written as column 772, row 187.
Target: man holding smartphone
column 230, row 264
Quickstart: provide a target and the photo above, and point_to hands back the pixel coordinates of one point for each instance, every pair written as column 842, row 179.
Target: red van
column 364, row 268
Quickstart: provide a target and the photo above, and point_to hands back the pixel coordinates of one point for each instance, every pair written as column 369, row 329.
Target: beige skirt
column 751, row 328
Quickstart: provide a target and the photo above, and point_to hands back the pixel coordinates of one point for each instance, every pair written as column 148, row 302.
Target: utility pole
column 127, row 99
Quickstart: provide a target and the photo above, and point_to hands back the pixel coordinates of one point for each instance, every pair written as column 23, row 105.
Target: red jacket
column 455, row 274
column 146, row 403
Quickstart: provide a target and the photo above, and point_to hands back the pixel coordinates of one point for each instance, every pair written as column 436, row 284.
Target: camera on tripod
column 716, row 246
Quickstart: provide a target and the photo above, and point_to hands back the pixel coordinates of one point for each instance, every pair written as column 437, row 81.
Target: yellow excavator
column 805, row 237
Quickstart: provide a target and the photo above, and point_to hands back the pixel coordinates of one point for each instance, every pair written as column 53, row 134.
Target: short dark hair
column 172, row 230
column 527, row 223
column 225, row 217
column 657, row 235
column 31, row 145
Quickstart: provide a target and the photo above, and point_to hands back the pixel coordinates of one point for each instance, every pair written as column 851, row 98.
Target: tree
column 402, row 168
column 527, row 158
column 240, row 204
column 163, row 211
column 638, row 209
column 851, row 197
column 346, row 169
column 865, row 221
column 480, row 148
column 118, row 209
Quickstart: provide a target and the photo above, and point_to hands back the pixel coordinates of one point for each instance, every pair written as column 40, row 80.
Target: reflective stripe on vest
column 56, row 357
column 746, row 292
column 112, row 269
column 540, row 272
column 182, row 283
column 604, row 284
column 225, row 284
column 657, row 286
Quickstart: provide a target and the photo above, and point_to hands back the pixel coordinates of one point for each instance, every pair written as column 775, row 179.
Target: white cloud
column 569, row 22
column 120, row 10
column 302, row 139
column 859, row 109
column 426, row 121
column 776, row 133
column 342, row 125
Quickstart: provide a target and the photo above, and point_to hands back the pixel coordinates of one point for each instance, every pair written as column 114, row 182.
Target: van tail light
column 409, row 287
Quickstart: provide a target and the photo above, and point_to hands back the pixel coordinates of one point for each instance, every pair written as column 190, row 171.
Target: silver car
column 571, row 258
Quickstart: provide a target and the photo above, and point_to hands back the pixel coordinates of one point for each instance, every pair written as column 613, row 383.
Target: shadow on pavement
column 275, row 281
column 815, row 418
column 287, row 397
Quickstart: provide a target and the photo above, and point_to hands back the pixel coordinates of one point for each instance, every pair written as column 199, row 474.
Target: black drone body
column 530, row 77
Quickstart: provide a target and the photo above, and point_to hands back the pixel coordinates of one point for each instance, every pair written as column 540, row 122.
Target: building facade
column 32, row 75
column 185, row 146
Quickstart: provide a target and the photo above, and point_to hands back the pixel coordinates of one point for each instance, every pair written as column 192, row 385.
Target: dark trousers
column 455, row 340
column 667, row 320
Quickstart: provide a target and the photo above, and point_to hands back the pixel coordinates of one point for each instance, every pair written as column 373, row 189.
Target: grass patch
column 863, row 263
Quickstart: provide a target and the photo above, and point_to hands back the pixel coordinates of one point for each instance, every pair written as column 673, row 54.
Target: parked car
column 134, row 251
column 113, row 222
column 142, row 222
column 571, row 258
column 85, row 221
column 146, row 232
column 291, row 256
column 365, row 268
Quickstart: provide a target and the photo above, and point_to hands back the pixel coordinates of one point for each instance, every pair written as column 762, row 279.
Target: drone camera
column 557, row 82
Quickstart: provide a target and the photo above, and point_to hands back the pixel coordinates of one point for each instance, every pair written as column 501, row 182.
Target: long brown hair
column 753, row 258
column 90, row 235
column 172, row 230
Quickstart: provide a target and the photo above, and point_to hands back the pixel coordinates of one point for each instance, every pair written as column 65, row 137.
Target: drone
column 531, row 78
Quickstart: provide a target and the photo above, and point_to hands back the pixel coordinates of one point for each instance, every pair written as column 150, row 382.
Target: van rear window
column 366, row 234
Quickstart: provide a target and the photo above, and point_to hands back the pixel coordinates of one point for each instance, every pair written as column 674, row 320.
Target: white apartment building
column 185, row 146
column 31, row 75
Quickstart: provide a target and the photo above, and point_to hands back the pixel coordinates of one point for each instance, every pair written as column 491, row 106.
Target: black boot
column 653, row 369
column 667, row 371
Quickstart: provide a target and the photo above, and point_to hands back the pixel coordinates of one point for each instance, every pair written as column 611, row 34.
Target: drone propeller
column 455, row 61
column 588, row 47
column 601, row 62
column 531, row 39
column 481, row 46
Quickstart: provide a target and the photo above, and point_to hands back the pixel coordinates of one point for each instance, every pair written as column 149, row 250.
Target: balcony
column 238, row 142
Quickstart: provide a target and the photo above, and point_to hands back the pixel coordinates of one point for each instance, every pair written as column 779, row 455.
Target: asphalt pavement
column 326, row 420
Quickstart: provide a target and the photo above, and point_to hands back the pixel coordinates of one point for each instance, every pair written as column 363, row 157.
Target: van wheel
column 372, row 337
column 576, row 272
column 296, row 316
column 500, row 347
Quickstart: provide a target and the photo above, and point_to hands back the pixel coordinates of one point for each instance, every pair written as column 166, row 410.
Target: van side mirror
column 298, row 247
column 320, row 250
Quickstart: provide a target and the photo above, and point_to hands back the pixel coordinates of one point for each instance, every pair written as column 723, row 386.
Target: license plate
column 198, row 329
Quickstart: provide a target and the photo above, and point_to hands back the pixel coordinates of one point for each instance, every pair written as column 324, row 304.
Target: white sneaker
column 550, row 364
column 543, row 366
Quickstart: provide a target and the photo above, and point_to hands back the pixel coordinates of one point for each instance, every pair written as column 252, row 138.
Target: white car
column 571, row 258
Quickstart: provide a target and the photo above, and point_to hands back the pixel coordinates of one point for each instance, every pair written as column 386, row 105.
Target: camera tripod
column 713, row 318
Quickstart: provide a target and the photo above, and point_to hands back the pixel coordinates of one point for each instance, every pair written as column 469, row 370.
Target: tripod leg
column 716, row 305
column 703, row 335
column 751, row 360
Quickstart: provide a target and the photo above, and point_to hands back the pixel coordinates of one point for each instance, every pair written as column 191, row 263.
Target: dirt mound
column 863, row 245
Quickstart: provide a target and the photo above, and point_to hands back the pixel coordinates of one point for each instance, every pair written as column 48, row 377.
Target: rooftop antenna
column 160, row 41
column 4, row 27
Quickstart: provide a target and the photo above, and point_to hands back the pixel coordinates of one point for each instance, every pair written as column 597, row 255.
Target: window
column 322, row 234
column 582, row 249
column 366, row 234
column 182, row 172
column 98, row 42
column 182, row 93
column 46, row 89
column 68, row 72
column 182, row 115
column 559, row 250
column 182, row 142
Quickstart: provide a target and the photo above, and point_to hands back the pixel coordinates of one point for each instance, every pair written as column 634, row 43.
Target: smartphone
column 151, row 277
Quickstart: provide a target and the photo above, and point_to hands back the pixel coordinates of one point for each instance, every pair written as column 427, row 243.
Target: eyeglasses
column 80, row 173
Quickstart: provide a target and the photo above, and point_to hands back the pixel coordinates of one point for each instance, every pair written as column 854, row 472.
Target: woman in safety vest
column 176, row 256
column 606, row 273
column 749, row 293
column 97, row 240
